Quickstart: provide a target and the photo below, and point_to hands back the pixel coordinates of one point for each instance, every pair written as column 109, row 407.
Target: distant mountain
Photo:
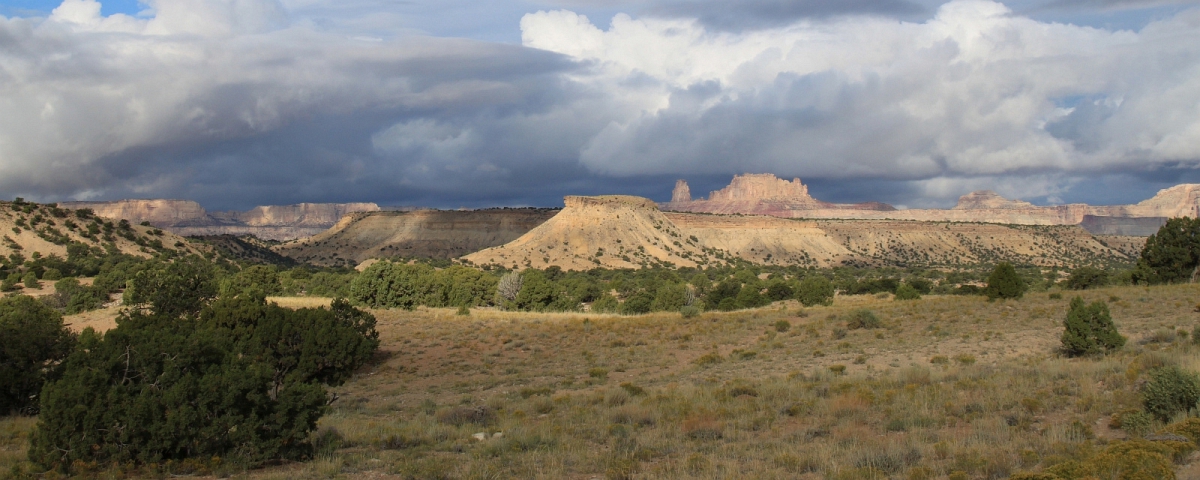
column 185, row 217
column 764, row 194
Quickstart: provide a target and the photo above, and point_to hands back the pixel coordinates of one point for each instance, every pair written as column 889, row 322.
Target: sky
column 456, row 103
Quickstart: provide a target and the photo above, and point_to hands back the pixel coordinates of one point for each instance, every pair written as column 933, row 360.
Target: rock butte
column 185, row 217
column 764, row 194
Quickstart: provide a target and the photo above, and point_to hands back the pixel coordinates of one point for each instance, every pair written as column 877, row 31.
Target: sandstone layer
column 420, row 233
column 764, row 194
column 761, row 194
column 272, row 222
column 629, row 232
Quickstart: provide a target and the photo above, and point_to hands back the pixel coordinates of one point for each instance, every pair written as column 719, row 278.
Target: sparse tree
column 1004, row 283
column 1089, row 329
column 508, row 287
column 815, row 290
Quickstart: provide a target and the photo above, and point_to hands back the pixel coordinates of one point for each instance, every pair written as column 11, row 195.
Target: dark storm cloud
column 754, row 14
column 266, row 108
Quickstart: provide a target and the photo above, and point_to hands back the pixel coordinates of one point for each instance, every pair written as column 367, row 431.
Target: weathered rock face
column 420, row 233
column 185, row 217
column 763, row 194
column 752, row 186
column 767, row 195
column 681, row 193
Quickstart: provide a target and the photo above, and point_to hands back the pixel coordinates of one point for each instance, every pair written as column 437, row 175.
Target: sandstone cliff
column 185, row 217
column 421, row 233
column 763, row 194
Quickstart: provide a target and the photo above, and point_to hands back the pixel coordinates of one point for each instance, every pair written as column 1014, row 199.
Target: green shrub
column 815, row 290
column 1083, row 278
column 637, row 304
column 1089, row 329
column 863, row 318
column 1004, row 283
column 31, row 281
column 607, row 304
column 242, row 380
column 782, row 326
column 33, row 340
column 1170, row 390
column 689, row 311
column 907, row 292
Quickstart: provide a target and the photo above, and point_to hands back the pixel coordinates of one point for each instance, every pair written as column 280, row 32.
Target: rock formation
column 420, row 233
column 763, row 194
column 185, row 217
column 681, row 193
column 612, row 231
column 629, row 232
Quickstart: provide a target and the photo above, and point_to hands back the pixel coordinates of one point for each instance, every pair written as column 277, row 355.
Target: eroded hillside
column 44, row 230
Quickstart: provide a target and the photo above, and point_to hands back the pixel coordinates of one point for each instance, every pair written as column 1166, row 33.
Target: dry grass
column 765, row 404
column 301, row 302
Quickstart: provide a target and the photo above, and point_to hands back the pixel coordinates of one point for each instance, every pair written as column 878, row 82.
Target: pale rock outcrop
column 763, row 194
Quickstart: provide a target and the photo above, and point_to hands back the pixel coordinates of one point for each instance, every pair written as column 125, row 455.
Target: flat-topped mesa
column 985, row 199
column 754, row 186
column 629, row 201
column 681, row 193
column 159, row 212
column 302, row 214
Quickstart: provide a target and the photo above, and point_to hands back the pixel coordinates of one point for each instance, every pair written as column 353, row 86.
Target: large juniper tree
column 1172, row 255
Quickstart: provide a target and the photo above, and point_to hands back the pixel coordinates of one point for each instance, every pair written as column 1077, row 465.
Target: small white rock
column 479, row 436
column 497, row 434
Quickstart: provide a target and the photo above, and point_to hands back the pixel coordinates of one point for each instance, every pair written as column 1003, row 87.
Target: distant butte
column 765, row 194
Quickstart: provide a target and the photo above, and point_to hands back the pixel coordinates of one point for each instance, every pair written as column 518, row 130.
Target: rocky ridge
column 185, row 217
column 631, row 232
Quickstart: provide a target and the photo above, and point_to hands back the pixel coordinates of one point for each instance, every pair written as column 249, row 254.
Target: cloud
column 756, row 14
column 974, row 92
column 117, row 105
column 242, row 102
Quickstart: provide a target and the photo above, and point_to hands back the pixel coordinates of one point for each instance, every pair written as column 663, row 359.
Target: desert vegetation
column 432, row 369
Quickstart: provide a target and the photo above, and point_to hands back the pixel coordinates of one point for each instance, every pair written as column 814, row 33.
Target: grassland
column 948, row 387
